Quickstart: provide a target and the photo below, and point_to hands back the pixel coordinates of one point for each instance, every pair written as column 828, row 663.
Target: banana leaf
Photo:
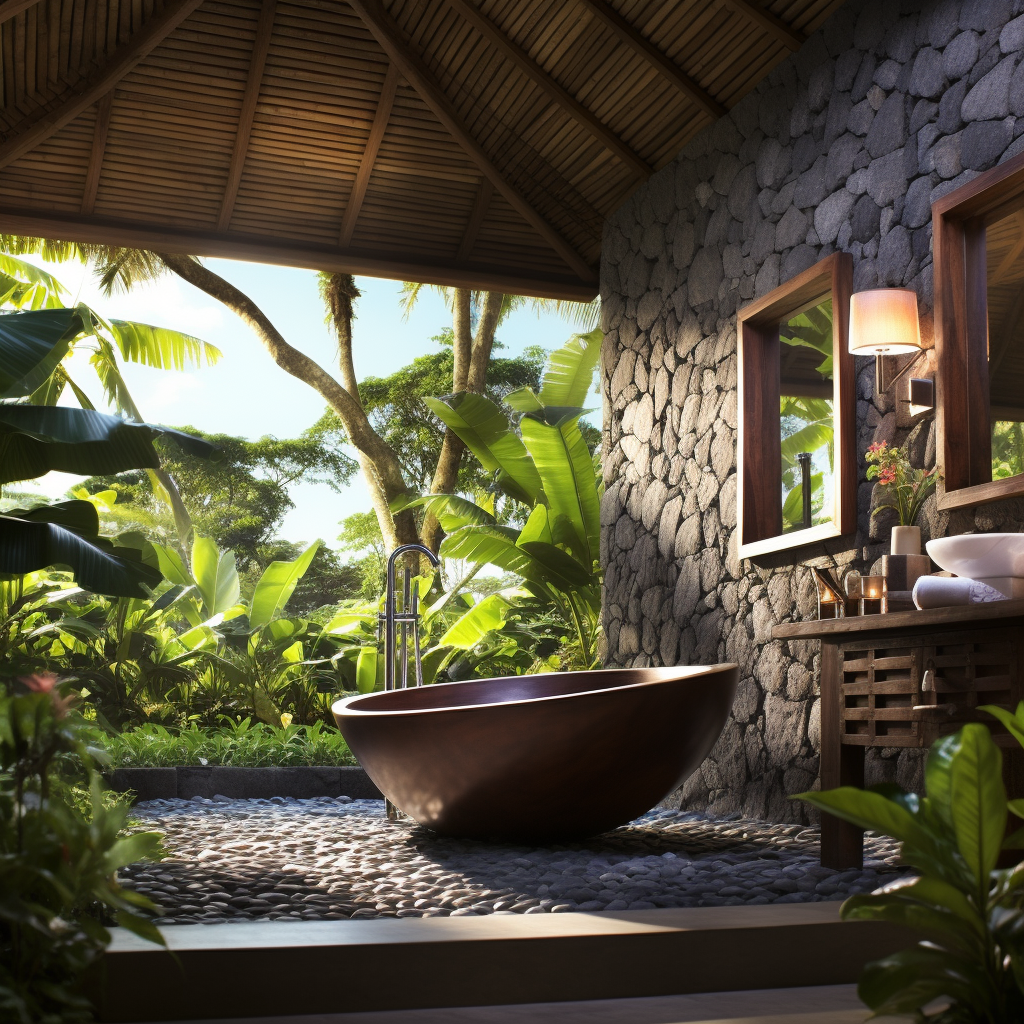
column 35, row 440
column 472, row 626
column 451, row 510
column 276, row 586
column 569, row 373
column 484, row 429
column 32, row 344
column 567, row 475
column 215, row 575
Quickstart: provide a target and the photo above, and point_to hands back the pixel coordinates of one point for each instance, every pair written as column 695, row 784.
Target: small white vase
column 906, row 540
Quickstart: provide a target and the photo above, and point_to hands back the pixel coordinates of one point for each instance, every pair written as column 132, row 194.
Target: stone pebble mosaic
column 338, row 858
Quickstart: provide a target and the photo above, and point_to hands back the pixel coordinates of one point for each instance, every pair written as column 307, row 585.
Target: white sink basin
column 995, row 558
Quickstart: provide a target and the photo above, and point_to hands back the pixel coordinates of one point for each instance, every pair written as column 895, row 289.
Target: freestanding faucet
column 408, row 618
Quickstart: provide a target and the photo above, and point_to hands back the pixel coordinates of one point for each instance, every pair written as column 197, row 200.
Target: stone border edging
column 187, row 781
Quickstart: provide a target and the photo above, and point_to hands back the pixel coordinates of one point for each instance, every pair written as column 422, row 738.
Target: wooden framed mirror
column 978, row 234
column 797, row 428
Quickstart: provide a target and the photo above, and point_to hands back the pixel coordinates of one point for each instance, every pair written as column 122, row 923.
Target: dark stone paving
column 336, row 858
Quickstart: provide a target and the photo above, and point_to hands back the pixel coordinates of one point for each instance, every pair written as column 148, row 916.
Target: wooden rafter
column 476, row 218
column 764, row 19
column 373, row 141
column 99, row 144
column 668, row 68
column 288, row 253
column 561, row 97
column 260, row 49
column 43, row 123
column 384, row 30
column 11, row 8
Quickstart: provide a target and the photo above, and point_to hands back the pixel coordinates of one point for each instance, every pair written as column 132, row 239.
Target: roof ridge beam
column 99, row 145
column 415, row 72
column 49, row 119
column 668, row 67
column 547, row 84
column 12, row 8
column 770, row 23
column 260, row 49
column 369, row 158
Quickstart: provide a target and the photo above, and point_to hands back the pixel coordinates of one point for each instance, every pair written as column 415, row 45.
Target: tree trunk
column 470, row 374
column 377, row 458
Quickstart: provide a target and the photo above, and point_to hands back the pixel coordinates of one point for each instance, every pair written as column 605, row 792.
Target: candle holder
column 830, row 597
column 872, row 595
column 853, row 592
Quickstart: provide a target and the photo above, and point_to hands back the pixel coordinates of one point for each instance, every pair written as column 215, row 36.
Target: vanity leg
column 842, row 845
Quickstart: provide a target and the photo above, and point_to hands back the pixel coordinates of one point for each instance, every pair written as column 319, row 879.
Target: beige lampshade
column 883, row 322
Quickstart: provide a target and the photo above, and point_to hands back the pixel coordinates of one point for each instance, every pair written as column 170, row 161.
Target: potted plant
column 905, row 490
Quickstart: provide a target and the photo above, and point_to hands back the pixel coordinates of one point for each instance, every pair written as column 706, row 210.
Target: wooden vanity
column 904, row 679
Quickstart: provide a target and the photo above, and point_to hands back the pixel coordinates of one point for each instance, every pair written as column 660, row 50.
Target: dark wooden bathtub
column 544, row 757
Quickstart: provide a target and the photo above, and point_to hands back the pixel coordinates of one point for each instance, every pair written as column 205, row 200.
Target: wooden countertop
column 997, row 611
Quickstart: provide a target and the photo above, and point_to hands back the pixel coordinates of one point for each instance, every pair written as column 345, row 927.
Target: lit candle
column 872, row 601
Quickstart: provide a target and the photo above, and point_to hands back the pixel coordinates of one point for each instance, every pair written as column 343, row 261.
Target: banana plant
column 35, row 439
column 547, row 467
column 972, row 912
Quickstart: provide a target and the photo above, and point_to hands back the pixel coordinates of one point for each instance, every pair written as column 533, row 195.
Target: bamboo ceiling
column 472, row 142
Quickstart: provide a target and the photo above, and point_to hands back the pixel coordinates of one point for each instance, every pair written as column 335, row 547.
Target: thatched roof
column 475, row 142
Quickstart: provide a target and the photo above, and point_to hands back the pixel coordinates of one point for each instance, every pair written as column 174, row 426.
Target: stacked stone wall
column 844, row 146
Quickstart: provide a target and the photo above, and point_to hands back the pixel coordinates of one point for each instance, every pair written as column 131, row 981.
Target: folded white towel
column 946, row 591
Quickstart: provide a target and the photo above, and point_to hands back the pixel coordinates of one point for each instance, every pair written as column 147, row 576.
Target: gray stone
column 894, row 254
column 847, row 64
column 682, row 246
column 942, row 21
column 1016, row 97
column 960, row 56
column 773, row 163
column 983, row 15
column 688, row 537
column 705, row 276
column 990, row 98
column 886, row 75
column 784, row 729
column 865, row 221
column 811, row 186
column 924, row 112
column 742, row 193
column 862, row 81
column 830, row 214
column 887, row 179
column 861, row 117
column 917, row 206
column 643, row 420
column 888, row 130
column 950, row 106
column 1011, row 38
column 946, row 156
column 653, row 504
column 790, row 230
column 928, row 76
column 984, row 142
column 839, row 161
column 668, row 525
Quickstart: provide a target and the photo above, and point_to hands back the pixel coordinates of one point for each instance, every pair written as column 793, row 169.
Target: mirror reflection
column 1005, row 276
column 806, row 413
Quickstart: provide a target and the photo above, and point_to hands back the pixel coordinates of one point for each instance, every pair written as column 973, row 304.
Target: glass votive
column 852, row 602
column 830, row 600
column 872, row 595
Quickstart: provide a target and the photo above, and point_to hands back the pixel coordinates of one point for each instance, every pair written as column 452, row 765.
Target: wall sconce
column 884, row 322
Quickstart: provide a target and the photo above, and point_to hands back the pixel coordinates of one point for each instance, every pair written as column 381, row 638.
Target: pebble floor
column 332, row 859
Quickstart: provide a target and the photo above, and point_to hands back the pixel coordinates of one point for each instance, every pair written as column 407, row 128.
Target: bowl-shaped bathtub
column 544, row 757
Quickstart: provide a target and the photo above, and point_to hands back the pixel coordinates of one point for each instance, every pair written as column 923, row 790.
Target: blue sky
column 246, row 393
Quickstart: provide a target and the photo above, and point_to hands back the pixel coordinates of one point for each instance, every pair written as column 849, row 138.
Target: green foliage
column 1007, row 448
column 972, row 912
column 546, row 467
column 244, row 744
column 57, row 864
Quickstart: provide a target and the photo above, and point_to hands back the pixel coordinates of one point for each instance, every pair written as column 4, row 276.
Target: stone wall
column 843, row 147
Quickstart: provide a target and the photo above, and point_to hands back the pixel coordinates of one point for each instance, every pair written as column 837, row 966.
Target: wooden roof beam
column 11, row 8
column 554, row 92
column 373, row 141
column 668, row 68
column 476, row 218
column 49, row 119
column 415, row 72
column 764, row 19
column 260, row 49
column 99, row 145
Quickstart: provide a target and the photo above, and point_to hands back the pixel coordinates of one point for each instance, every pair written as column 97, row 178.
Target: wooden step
column 225, row 971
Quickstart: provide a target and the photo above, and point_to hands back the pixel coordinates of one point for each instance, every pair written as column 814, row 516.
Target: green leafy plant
column 57, row 864
column 972, row 912
column 905, row 487
column 245, row 744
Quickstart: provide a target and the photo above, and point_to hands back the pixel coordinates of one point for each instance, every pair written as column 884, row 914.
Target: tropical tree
column 476, row 317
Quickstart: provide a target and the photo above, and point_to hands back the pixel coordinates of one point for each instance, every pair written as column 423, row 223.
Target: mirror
column 1004, row 265
column 796, row 457
column 806, row 417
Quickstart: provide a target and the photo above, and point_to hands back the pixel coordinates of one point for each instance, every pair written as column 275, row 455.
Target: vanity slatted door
column 909, row 695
